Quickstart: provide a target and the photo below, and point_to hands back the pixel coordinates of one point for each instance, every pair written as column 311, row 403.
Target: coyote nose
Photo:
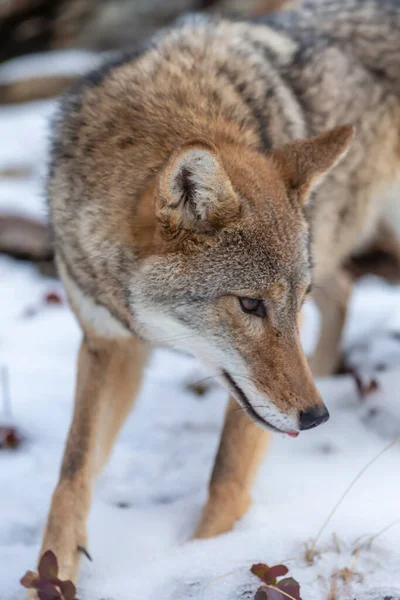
column 313, row 417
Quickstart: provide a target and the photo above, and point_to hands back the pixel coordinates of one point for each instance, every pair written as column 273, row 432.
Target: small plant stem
column 5, row 388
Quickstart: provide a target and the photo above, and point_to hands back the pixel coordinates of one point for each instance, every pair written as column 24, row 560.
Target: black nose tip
column 313, row 417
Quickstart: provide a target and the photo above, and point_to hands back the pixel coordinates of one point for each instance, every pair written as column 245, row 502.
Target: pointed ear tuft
column 195, row 193
column 304, row 163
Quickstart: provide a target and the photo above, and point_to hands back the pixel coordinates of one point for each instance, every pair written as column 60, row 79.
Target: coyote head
column 229, row 268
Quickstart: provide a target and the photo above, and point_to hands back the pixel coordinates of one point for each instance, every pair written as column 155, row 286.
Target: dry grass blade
column 368, row 543
column 333, row 592
column 310, row 552
column 337, row 543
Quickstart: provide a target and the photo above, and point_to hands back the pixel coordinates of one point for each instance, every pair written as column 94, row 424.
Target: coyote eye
column 252, row 306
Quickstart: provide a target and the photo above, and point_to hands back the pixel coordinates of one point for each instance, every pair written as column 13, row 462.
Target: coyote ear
column 304, row 163
column 195, row 193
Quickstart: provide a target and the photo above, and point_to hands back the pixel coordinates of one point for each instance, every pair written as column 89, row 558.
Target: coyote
column 195, row 203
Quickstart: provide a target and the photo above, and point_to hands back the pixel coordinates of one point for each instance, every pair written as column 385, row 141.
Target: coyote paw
column 48, row 580
column 221, row 513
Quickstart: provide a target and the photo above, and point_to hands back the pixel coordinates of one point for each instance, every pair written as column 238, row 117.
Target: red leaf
column 29, row 580
column 364, row 388
column 267, row 574
column 274, row 572
column 49, row 592
column 261, row 594
column 369, row 388
column 275, row 594
column 10, row 438
column 290, row 587
column 48, row 566
column 53, row 298
column 68, row 590
column 259, row 570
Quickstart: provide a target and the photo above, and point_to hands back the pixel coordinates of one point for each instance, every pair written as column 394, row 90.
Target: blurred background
column 44, row 46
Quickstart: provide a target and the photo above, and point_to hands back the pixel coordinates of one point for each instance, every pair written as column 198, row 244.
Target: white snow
column 63, row 62
column 148, row 500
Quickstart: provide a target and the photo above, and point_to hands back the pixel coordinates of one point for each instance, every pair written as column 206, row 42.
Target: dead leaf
column 10, row 438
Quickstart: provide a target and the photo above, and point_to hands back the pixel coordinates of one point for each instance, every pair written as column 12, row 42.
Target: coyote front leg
column 109, row 375
column 241, row 449
column 332, row 300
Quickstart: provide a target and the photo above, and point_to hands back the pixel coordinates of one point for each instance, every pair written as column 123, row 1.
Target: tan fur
column 103, row 366
column 332, row 300
column 188, row 179
column 233, row 473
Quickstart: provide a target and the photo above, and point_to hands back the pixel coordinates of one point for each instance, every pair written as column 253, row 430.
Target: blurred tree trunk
column 28, row 26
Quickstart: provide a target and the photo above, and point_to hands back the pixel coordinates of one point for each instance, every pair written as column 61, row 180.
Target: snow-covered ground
column 148, row 500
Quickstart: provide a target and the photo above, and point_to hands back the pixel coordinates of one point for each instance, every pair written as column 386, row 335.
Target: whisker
column 221, row 377
column 252, row 379
column 174, row 338
column 203, row 379
column 243, row 408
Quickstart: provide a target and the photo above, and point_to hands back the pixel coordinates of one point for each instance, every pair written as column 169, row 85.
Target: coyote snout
column 313, row 417
column 304, row 419
column 275, row 387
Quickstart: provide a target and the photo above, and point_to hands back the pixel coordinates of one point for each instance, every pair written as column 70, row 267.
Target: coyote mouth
column 250, row 411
